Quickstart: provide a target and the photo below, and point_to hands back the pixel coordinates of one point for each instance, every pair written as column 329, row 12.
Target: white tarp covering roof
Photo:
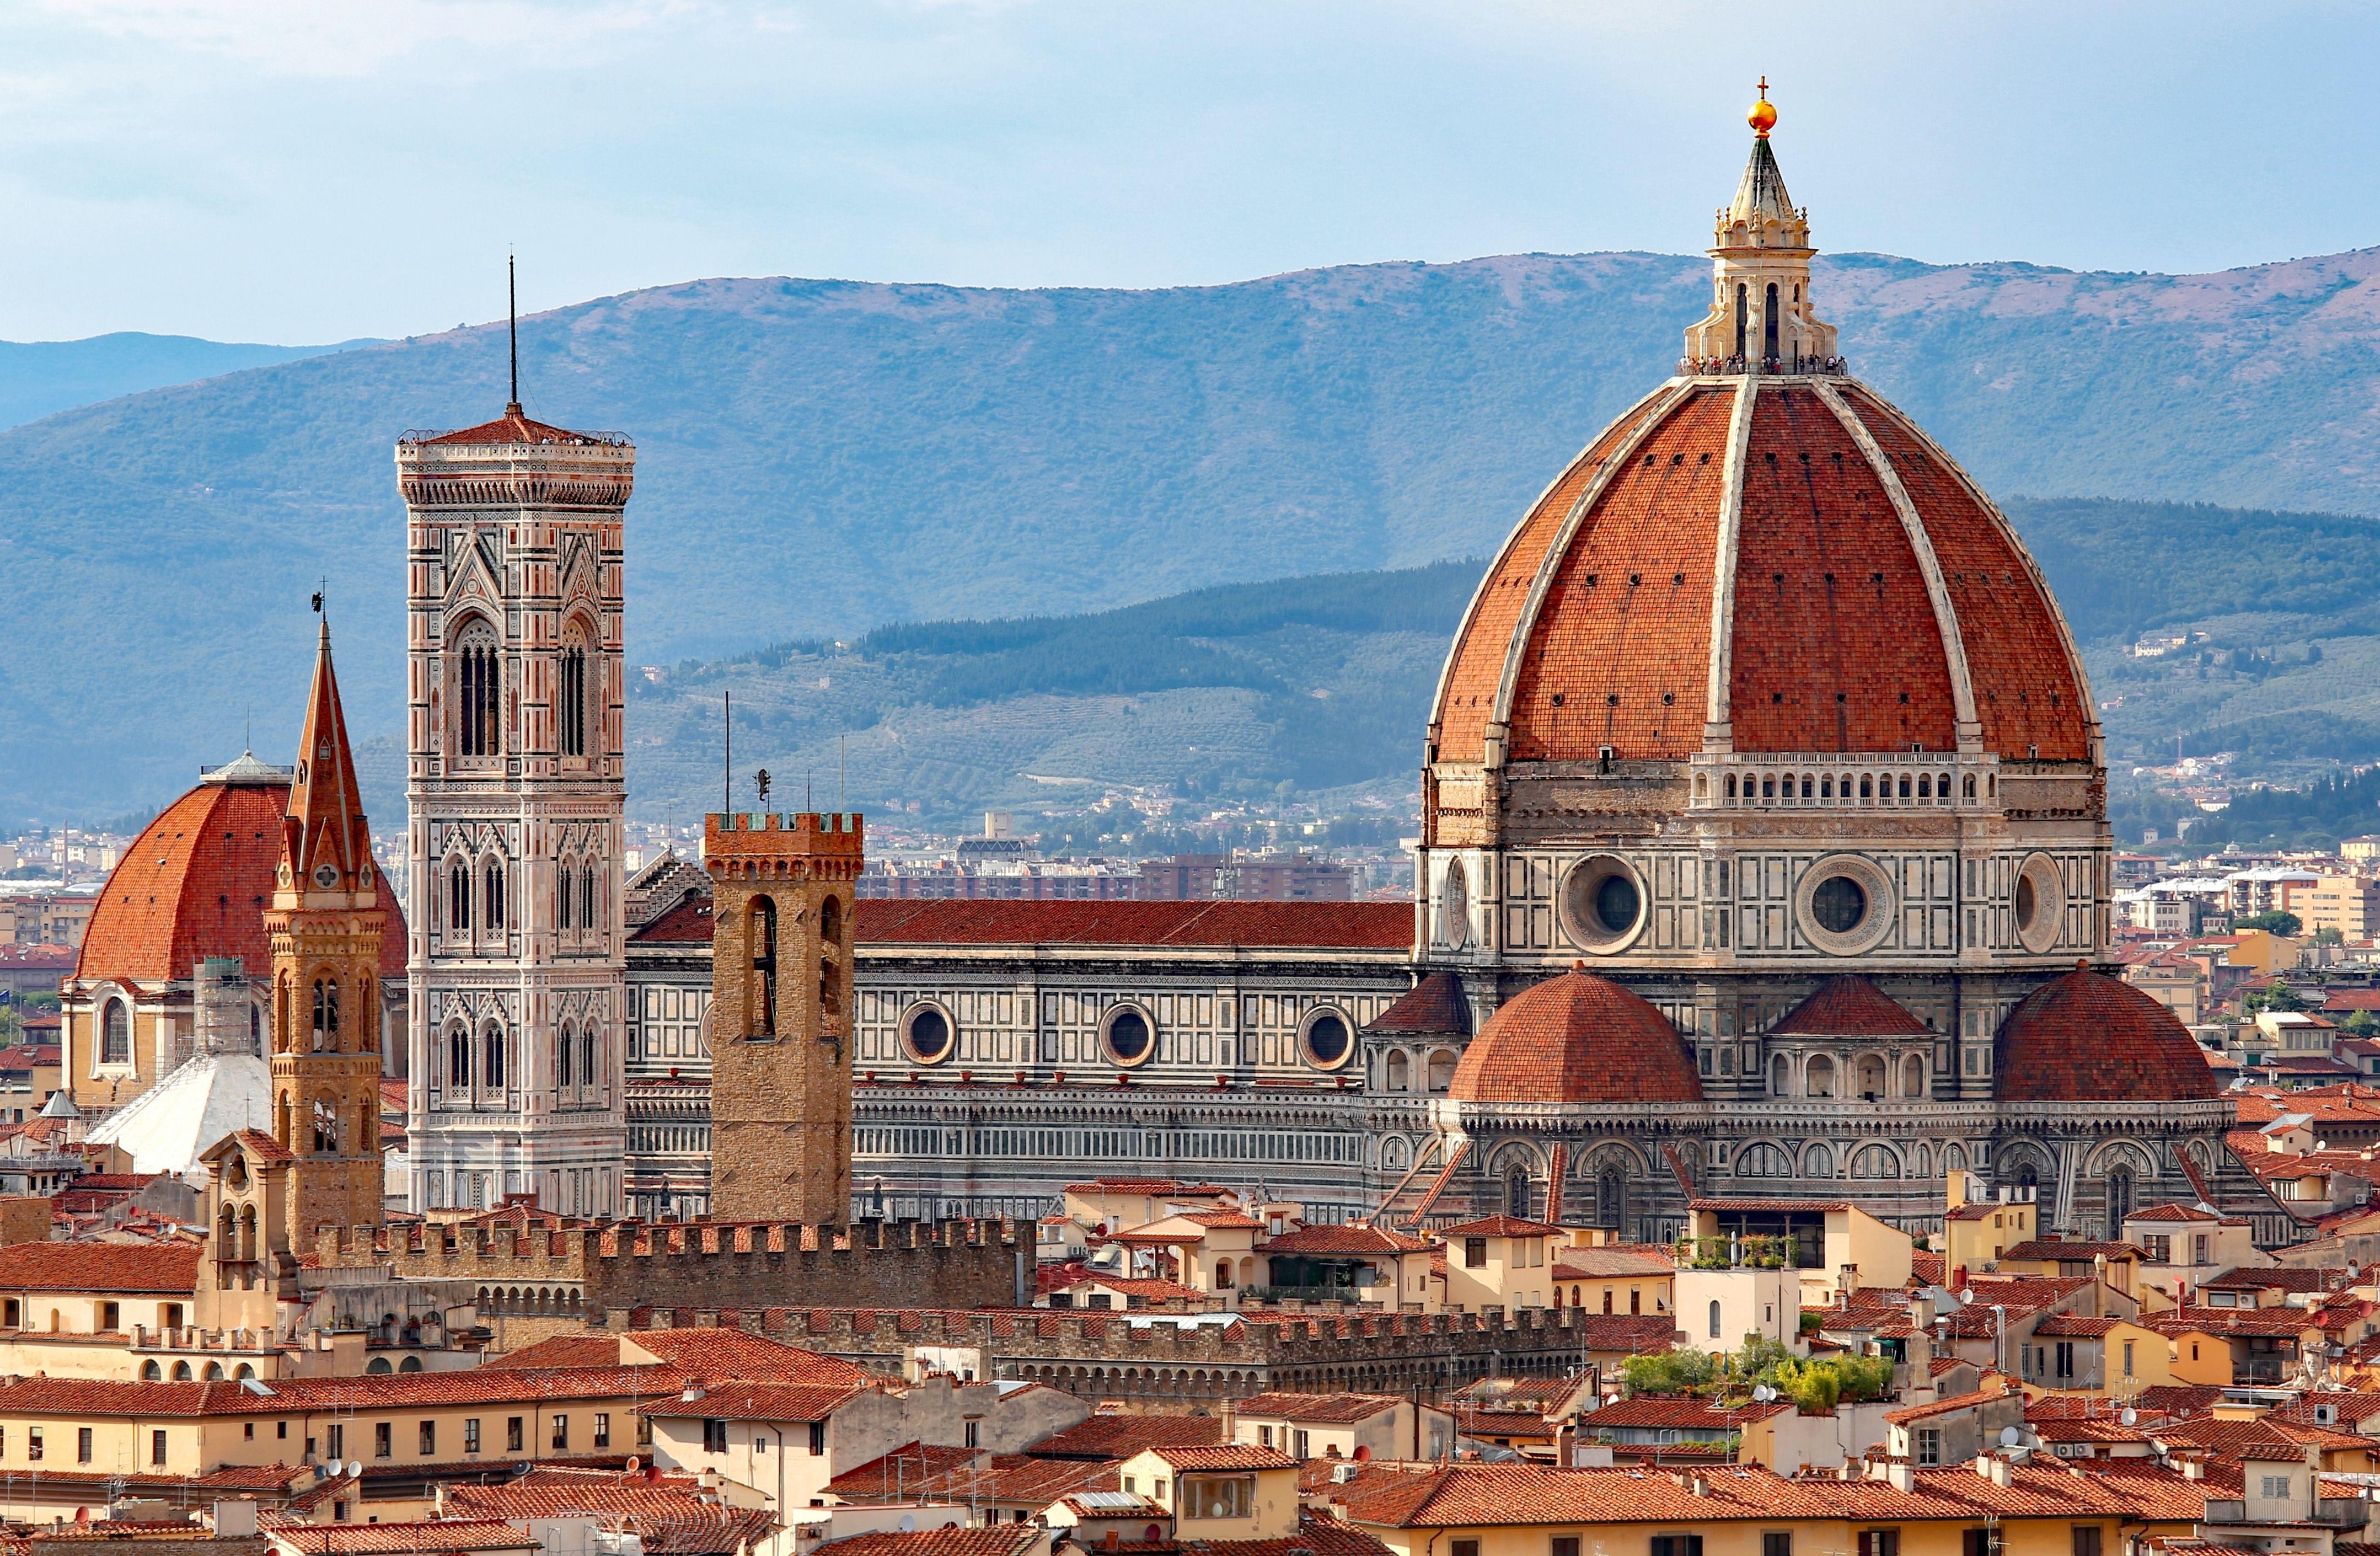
column 167, row 1126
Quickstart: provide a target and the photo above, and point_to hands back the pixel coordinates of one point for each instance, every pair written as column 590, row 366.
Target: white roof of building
column 168, row 1125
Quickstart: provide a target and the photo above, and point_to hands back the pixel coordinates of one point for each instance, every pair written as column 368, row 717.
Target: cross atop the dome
column 1762, row 115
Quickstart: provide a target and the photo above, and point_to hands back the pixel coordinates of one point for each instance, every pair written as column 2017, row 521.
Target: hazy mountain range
column 817, row 458
column 40, row 377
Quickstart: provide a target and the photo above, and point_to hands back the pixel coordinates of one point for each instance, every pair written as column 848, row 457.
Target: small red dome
column 2089, row 1037
column 196, row 882
column 1576, row 1039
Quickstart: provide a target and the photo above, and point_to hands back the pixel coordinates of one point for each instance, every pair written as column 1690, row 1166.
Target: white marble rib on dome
column 167, row 1126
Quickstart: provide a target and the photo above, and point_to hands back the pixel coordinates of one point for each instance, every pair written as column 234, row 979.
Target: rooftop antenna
column 840, row 741
column 511, row 325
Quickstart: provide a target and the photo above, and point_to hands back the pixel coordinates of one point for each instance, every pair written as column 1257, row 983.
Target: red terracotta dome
column 196, row 882
column 1576, row 1039
column 2087, row 1037
column 1856, row 591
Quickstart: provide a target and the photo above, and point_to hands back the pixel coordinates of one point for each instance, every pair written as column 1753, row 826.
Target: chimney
column 1901, row 1476
column 1111, row 1540
column 2000, row 1470
column 1231, row 1422
column 2193, row 1466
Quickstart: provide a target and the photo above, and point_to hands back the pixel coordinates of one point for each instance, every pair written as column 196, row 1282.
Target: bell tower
column 782, row 894
column 516, row 784
column 325, row 926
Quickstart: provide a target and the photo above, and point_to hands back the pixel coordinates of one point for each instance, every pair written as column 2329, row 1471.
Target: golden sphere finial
column 1763, row 117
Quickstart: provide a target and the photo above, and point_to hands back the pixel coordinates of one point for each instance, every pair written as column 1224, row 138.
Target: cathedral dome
column 2087, row 1037
column 1576, row 1038
column 196, row 883
column 1762, row 556
column 1786, row 560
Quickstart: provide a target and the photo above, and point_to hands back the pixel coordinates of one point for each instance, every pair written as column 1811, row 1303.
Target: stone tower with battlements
column 324, row 925
column 783, row 888
column 514, row 790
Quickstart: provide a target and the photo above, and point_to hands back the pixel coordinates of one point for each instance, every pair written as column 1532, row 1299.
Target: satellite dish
column 2129, row 1417
column 908, row 1523
column 2009, row 1437
column 635, row 1464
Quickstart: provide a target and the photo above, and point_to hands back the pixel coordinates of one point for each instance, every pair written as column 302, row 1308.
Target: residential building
column 2348, row 904
column 1344, row 1426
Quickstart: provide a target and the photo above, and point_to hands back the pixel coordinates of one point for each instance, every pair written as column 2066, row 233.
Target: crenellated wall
column 1174, row 1365
column 590, row 1270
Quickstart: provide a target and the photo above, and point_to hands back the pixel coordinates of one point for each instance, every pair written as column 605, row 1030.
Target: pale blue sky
column 309, row 171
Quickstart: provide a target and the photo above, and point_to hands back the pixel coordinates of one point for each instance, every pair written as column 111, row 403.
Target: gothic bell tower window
column 479, row 684
column 760, row 1019
column 570, row 696
column 327, row 1015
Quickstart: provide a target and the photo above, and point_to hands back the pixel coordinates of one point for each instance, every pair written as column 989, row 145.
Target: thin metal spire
column 512, row 323
column 727, row 769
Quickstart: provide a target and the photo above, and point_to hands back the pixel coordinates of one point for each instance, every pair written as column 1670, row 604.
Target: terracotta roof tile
column 1834, row 641
column 1687, row 1415
column 389, row 1390
column 759, row 1401
column 1821, row 642
column 1849, row 1006
column 1121, row 1436
column 898, row 1475
column 429, row 1536
column 1576, row 1038
column 1316, row 1407
column 2077, row 1249
column 686, row 923
column 1316, row 1533
column 196, row 883
column 513, row 427
column 168, row 1269
column 1222, row 1455
column 954, row 921
column 1501, row 1226
column 2086, row 1037
column 1435, row 1006
column 2017, row 650
column 1000, row 1540
column 666, row 1510
column 1345, row 1238
column 1951, row 1406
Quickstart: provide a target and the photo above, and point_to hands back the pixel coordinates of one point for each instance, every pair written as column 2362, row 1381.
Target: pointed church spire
column 325, row 843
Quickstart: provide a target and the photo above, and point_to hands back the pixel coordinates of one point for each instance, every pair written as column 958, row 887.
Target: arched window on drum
column 1875, row 1161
